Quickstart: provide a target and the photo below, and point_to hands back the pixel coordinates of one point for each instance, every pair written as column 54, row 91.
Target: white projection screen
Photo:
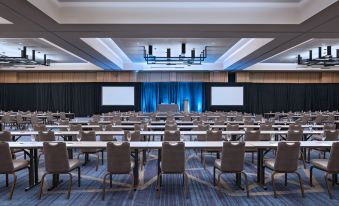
column 227, row 96
column 117, row 96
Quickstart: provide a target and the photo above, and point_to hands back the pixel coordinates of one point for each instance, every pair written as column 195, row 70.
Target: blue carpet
column 201, row 189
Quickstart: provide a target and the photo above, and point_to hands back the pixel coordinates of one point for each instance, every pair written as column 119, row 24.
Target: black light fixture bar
column 171, row 60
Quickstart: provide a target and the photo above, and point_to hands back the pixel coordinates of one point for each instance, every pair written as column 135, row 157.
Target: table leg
column 238, row 180
column 159, row 160
column 33, row 169
column 261, row 168
column 36, row 166
column 55, row 182
column 136, row 169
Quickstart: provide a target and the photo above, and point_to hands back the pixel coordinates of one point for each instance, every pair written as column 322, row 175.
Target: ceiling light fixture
column 325, row 61
column 23, row 59
column 175, row 60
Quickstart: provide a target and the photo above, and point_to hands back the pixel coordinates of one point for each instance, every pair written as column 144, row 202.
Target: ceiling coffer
column 23, row 60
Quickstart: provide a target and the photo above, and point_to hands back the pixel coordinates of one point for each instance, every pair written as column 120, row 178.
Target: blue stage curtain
column 155, row 93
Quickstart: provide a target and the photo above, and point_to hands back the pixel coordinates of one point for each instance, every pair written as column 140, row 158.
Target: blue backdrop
column 154, row 93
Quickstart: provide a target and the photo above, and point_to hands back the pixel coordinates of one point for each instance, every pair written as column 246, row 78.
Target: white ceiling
column 12, row 47
column 290, row 55
column 182, row 12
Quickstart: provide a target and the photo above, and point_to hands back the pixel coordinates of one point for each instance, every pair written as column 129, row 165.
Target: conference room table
column 261, row 147
column 161, row 133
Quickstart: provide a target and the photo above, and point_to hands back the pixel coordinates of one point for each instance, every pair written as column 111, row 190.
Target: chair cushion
column 320, row 163
column 73, row 163
column 269, row 163
column 20, row 164
column 217, row 163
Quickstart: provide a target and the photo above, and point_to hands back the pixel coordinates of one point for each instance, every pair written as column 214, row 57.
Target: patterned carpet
column 201, row 189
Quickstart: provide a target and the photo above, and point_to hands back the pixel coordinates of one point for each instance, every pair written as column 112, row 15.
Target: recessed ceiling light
column 20, row 43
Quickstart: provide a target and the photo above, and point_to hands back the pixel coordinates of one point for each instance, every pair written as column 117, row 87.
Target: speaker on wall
column 231, row 77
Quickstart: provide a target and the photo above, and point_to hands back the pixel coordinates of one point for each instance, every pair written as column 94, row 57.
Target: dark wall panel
column 85, row 98
column 260, row 98
column 81, row 98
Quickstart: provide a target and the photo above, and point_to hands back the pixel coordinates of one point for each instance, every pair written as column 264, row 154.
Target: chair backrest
column 134, row 118
column 5, row 136
column 232, row 156
column 265, row 127
column 287, row 157
column 76, row 127
column 171, row 127
column 249, row 122
column 172, row 135
column 6, row 165
column 333, row 160
column 173, row 157
column 45, row 136
column 329, row 126
column 63, row 116
column 252, row 135
column 56, row 157
column 294, row 135
column 135, row 136
column 295, row 127
column 118, row 157
column 214, row 135
column 232, row 127
column 64, row 122
column 137, row 127
column 219, row 122
column 258, row 117
column 87, row 136
column 39, row 127
column 331, row 135
column 107, row 137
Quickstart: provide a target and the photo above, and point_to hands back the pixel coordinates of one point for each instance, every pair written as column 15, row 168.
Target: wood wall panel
column 288, row 77
column 125, row 76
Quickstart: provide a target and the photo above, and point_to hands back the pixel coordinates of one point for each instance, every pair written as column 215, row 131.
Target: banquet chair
column 118, row 162
column 232, row 161
column 329, row 166
column 172, row 162
column 57, row 162
column 286, row 161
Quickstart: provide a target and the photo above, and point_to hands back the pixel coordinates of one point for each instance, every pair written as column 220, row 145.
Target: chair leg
column 13, row 186
column 252, row 157
column 311, row 176
column 246, row 182
column 132, row 183
column 110, row 181
column 301, row 184
column 273, row 184
column 7, row 180
column 104, row 185
column 186, row 178
column 98, row 159
column 42, row 185
column 79, row 176
column 303, row 159
column 158, row 186
column 69, row 185
column 102, row 157
column 218, row 182
column 328, row 185
column 285, row 179
column 183, row 179
column 214, row 176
